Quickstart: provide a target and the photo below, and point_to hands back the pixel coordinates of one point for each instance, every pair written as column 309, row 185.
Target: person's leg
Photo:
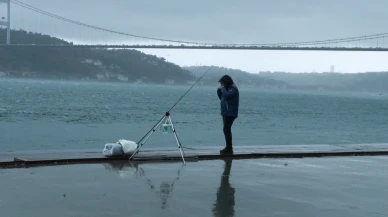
column 225, row 129
column 228, row 122
column 228, row 131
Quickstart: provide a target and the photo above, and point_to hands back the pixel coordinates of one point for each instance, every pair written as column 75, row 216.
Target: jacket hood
column 226, row 80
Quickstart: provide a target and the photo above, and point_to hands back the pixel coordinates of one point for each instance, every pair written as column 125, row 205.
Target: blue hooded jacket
column 229, row 100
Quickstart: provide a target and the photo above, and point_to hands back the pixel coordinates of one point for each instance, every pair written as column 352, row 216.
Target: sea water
column 46, row 115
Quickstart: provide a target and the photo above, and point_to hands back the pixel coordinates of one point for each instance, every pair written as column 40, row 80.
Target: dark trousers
column 228, row 122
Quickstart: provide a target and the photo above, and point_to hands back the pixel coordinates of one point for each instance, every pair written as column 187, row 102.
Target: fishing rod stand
column 168, row 127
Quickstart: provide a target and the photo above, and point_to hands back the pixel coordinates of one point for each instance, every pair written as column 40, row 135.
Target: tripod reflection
column 125, row 169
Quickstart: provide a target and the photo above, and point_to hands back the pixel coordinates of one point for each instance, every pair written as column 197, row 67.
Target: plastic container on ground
column 112, row 149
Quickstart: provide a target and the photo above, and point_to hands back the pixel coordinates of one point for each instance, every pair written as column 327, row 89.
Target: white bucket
column 129, row 147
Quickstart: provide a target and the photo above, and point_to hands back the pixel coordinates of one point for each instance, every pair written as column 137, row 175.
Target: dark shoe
column 227, row 150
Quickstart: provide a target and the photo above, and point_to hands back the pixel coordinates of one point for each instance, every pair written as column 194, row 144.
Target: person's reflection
column 224, row 205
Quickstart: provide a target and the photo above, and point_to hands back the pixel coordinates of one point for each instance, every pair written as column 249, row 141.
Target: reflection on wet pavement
column 346, row 186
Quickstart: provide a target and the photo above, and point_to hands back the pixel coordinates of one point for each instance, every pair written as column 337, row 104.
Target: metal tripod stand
column 169, row 128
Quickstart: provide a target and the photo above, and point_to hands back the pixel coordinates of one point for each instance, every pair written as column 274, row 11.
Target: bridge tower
column 7, row 23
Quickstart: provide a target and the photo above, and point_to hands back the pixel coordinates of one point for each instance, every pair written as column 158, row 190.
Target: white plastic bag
column 113, row 149
column 128, row 147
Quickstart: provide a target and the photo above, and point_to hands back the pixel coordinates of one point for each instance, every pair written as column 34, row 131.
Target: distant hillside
column 80, row 63
column 370, row 81
column 241, row 78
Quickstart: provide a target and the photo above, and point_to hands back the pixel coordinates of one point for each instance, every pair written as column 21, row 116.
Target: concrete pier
column 61, row 157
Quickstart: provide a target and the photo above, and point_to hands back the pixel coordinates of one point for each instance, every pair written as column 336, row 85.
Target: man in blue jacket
column 228, row 93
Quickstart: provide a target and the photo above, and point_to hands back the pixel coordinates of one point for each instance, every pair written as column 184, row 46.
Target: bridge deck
column 195, row 47
column 40, row 158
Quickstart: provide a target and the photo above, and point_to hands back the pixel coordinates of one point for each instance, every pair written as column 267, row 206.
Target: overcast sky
column 225, row 21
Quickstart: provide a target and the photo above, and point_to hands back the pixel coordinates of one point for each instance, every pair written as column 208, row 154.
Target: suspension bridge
column 36, row 20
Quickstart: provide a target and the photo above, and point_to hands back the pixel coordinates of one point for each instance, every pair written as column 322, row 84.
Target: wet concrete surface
column 332, row 186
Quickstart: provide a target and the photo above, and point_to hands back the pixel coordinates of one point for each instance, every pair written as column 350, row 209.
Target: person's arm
column 219, row 93
column 228, row 93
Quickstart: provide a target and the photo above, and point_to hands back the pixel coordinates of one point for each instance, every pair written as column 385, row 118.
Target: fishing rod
column 167, row 113
column 174, row 105
column 188, row 91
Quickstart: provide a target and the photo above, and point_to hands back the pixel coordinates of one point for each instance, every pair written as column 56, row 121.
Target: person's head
column 226, row 81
